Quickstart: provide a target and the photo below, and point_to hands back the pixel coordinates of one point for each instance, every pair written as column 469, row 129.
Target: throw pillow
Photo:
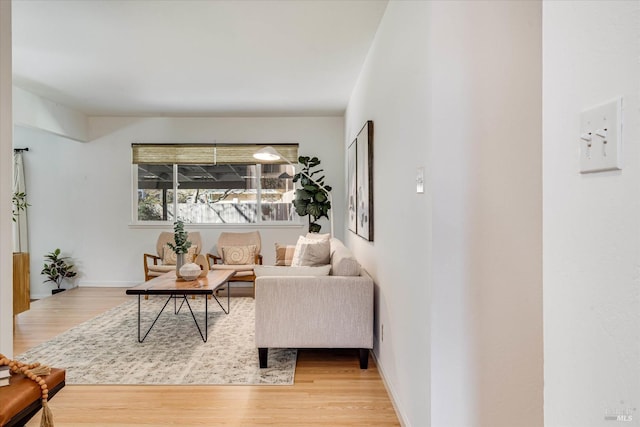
column 239, row 255
column 284, row 254
column 169, row 256
column 272, row 270
column 318, row 236
column 311, row 252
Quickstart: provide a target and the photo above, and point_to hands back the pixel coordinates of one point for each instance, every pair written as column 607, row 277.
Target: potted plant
column 57, row 270
column 181, row 245
column 311, row 199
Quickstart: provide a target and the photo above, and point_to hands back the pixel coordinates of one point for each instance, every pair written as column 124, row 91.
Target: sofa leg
column 262, row 356
column 364, row 358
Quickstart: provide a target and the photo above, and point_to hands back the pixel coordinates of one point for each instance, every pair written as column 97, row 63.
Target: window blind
column 203, row 154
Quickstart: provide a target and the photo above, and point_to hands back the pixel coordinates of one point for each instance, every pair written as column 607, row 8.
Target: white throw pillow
column 311, row 252
column 318, row 236
column 274, row 270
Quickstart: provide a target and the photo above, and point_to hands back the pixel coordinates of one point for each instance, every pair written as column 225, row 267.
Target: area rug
column 105, row 350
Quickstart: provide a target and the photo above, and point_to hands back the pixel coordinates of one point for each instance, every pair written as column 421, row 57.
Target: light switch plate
column 600, row 138
column 420, row 181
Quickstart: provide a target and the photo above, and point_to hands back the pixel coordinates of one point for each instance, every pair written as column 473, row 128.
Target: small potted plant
column 57, row 269
column 181, row 245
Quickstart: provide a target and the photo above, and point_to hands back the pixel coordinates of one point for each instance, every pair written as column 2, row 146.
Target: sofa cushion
column 272, row 270
column 343, row 263
column 284, row 254
column 311, row 252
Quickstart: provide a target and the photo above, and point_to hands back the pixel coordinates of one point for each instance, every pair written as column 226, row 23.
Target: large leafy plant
column 311, row 199
column 180, row 236
column 57, row 269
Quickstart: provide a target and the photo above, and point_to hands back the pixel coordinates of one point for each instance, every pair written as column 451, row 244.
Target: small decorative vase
column 190, row 271
column 179, row 263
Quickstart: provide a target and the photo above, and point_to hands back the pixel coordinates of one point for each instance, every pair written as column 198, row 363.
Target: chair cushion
column 239, row 239
column 160, row 269
column 247, row 267
column 169, row 256
column 284, row 254
column 239, row 255
column 311, row 252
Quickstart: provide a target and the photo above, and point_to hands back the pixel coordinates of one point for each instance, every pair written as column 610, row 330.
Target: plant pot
column 57, row 291
column 179, row 264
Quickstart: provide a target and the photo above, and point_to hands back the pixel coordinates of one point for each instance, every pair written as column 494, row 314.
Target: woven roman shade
column 203, row 154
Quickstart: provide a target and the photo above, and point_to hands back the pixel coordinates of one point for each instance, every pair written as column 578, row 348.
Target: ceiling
column 193, row 58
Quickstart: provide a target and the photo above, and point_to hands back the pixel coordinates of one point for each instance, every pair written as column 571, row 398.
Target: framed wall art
column 352, row 187
column 364, row 182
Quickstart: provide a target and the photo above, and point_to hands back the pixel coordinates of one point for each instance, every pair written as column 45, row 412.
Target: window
column 211, row 184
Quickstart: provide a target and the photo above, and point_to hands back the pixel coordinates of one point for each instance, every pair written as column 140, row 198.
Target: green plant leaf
column 302, row 194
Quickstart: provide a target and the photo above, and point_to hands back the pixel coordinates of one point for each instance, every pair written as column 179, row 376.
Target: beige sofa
column 334, row 311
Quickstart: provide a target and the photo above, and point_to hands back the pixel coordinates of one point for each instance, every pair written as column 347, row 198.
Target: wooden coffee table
column 175, row 288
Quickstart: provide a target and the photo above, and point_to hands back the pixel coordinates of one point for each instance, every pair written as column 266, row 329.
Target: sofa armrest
column 309, row 312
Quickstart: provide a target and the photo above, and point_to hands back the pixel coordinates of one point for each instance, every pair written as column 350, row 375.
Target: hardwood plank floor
column 329, row 388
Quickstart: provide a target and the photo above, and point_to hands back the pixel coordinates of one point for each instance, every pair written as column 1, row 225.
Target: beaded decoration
column 34, row 372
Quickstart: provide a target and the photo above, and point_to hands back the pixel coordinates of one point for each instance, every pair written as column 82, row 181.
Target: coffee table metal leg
column 177, row 309
column 228, row 299
column 206, row 317
column 154, row 322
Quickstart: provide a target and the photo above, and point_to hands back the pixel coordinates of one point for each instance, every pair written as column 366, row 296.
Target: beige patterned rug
column 105, row 350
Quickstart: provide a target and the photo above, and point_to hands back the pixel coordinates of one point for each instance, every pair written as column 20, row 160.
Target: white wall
column 456, row 87
column 6, row 179
column 392, row 91
column 591, row 222
column 30, row 110
column 486, row 141
column 81, row 192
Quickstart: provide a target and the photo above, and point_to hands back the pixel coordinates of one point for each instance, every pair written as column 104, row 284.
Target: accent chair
column 164, row 260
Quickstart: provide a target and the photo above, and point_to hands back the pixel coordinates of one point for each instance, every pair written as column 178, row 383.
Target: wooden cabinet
column 21, row 290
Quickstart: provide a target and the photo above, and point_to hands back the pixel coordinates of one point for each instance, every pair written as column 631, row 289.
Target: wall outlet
column 382, row 333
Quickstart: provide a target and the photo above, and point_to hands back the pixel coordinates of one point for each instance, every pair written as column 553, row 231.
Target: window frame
column 297, row 222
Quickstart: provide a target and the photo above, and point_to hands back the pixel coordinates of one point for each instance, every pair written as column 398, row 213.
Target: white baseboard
column 391, row 392
column 88, row 284
column 93, row 284
column 39, row 296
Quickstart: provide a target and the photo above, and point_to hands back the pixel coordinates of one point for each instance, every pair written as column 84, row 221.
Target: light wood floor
column 329, row 388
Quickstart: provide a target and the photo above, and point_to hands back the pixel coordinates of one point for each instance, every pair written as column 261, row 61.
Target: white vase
column 190, row 271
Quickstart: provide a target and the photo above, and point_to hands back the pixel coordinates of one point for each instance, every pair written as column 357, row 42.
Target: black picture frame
column 364, row 182
column 352, row 222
